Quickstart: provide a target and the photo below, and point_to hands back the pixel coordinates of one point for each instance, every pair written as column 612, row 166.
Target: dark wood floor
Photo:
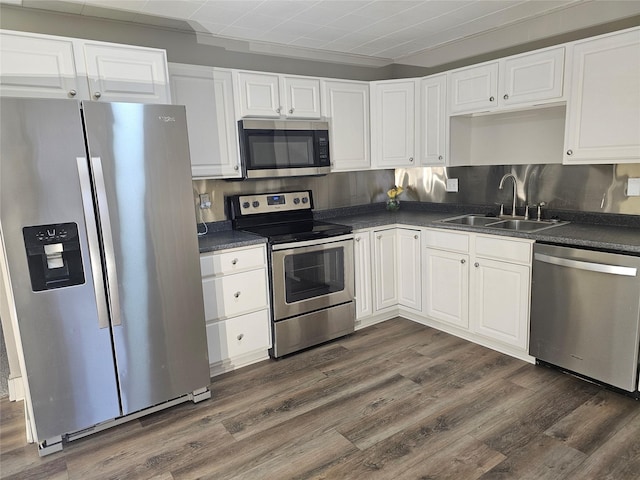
column 394, row 401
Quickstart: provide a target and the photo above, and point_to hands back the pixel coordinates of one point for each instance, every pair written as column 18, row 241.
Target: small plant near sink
column 393, row 204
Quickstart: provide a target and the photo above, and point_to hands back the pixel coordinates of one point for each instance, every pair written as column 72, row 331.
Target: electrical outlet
column 452, row 185
column 633, row 187
column 205, row 201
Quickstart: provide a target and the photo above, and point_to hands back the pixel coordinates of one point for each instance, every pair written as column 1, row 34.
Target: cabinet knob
column 491, row 99
column 357, row 239
column 240, row 337
column 440, row 157
column 506, row 96
column 278, row 110
column 234, row 261
column 476, row 264
column 415, row 236
column 379, row 237
column 236, row 167
column 237, row 294
column 463, row 261
column 411, row 159
column 569, row 152
column 97, row 95
column 73, row 93
column 291, row 110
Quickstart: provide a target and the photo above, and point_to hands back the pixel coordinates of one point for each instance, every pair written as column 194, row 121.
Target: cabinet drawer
column 504, row 249
column 233, row 295
column 238, row 336
column 453, row 241
column 231, row 261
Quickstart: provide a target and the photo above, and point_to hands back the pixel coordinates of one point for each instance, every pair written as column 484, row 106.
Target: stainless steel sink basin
column 477, row 220
column 502, row 223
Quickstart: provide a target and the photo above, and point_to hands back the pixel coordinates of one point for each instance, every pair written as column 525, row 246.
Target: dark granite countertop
column 617, row 233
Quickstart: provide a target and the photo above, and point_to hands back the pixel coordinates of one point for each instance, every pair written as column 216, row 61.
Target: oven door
column 312, row 275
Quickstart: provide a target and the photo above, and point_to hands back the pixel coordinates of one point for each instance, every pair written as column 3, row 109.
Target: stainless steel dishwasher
column 585, row 313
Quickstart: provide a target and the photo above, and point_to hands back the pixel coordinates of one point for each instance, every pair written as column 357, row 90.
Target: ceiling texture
column 377, row 32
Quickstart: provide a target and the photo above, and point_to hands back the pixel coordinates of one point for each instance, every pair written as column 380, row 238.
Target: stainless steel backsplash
column 587, row 188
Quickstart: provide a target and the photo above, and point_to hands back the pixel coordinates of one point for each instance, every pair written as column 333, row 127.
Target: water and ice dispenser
column 54, row 256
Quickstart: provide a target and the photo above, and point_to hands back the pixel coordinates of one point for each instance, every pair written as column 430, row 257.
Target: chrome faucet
column 515, row 183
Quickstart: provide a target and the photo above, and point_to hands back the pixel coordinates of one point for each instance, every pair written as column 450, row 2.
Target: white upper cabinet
column 57, row 67
column 522, row 80
column 603, row 108
column 393, row 123
column 346, row 107
column 207, row 94
column 433, row 125
column 121, row 73
column 33, row 66
column 277, row 96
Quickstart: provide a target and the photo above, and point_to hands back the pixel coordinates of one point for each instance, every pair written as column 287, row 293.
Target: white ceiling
column 382, row 31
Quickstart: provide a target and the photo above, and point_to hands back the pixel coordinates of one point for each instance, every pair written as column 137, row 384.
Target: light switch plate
column 452, row 184
column 633, row 187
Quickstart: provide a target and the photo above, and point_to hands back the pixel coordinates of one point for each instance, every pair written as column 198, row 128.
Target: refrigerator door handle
column 94, row 245
column 107, row 241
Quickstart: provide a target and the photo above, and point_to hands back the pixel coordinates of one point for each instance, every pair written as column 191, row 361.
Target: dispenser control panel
column 54, row 256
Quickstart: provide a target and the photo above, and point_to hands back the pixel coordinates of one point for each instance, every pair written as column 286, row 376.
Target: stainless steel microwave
column 283, row 148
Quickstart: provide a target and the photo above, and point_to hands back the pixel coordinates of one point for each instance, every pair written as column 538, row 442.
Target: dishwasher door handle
column 589, row 266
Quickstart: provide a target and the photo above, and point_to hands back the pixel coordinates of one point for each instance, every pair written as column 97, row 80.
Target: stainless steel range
column 311, row 268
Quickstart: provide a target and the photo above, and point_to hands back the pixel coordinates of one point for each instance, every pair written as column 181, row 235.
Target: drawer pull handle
column 234, row 261
column 237, row 294
column 241, row 336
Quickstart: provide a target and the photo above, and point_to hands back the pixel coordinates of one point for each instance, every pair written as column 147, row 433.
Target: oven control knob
column 255, row 204
column 296, row 200
column 246, row 205
column 305, row 199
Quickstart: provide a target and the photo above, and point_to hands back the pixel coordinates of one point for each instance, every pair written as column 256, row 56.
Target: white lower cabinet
column 479, row 286
column 385, row 269
column 236, row 304
column 408, row 260
column 363, row 274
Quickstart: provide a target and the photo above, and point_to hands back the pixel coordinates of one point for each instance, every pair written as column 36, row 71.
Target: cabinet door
column 474, row 89
column 301, row 96
column 532, row 78
column 32, row 66
column 363, row 275
column 500, row 301
column 122, row 73
column 394, row 123
column 346, row 105
column 409, row 274
column 207, row 94
column 603, row 114
column 238, row 336
column 446, row 286
column 259, row 95
column 434, row 120
column 386, row 272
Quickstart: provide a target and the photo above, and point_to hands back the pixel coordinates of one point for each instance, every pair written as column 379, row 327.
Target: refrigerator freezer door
column 142, row 177
column 68, row 363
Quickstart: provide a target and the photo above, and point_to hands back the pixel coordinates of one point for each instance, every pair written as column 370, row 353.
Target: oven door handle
column 314, row 242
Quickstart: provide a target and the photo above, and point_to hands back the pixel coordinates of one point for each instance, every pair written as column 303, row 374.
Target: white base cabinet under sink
column 236, row 307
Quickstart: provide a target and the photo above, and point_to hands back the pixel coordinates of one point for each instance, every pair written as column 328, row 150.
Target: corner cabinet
column 277, row 96
column 522, row 80
column 603, row 108
column 46, row 66
column 207, row 94
column 346, row 107
column 236, row 307
column 394, row 123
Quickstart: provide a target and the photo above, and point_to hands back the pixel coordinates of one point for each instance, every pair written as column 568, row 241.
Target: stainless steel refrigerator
column 99, row 250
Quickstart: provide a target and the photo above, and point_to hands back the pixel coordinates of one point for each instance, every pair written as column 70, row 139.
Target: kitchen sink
column 519, row 225
column 477, row 220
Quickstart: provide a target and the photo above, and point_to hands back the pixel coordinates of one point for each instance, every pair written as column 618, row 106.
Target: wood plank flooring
column 394, row 401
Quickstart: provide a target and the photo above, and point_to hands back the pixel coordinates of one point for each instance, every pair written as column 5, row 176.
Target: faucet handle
column 540, row 205
column 526, row 211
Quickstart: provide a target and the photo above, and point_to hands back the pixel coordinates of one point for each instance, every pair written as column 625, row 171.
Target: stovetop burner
column 281, row 217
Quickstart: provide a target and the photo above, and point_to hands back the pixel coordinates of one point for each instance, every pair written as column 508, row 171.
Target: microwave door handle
column 107, row 241
column 94, row 245
column 588, row 266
